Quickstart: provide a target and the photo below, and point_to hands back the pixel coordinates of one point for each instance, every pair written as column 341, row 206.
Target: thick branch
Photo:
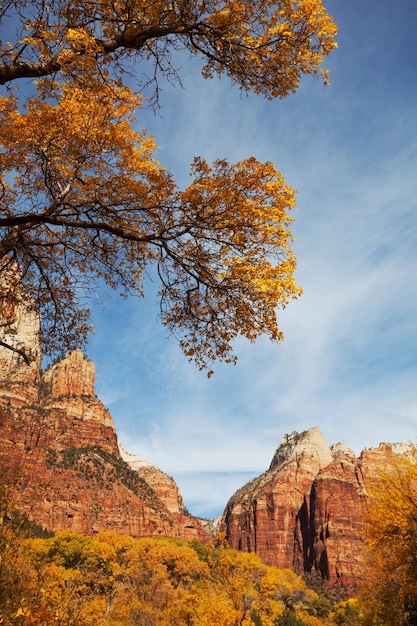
column 133, row 40
column 17, row 350
column 28, row 69
column 29, row 221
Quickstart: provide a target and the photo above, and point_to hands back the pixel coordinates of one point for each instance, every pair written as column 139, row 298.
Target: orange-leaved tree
column 82, row 199
column 389, row 591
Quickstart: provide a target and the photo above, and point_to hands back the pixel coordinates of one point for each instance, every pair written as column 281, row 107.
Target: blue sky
column 349, row 360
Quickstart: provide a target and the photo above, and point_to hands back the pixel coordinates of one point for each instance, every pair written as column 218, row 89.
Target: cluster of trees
column 73, row 580
column 83, row 201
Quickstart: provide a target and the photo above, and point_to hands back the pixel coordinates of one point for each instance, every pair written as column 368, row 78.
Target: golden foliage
column 264, row 45
column 110, row 579
column 84, row 202
column 389, row 593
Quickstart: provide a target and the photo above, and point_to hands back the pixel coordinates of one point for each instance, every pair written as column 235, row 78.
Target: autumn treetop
column 82, row 198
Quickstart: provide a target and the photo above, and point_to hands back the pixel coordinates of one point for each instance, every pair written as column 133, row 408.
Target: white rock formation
column 134, row 461
column 339, row 449
column 163, row 485
column 308, row 443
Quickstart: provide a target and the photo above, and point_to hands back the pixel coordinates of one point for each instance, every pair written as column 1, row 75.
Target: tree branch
column 29, row 221
column 28, row 69
column 17, row 350
column 129, row 41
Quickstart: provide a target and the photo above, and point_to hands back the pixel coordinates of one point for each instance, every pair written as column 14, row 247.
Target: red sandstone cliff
column 307, row 510
column 163, row 485
column 61, row 438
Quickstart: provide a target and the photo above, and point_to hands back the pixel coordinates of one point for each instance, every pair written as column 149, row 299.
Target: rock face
column 68, row 386
column 19, row 329
column 62, row 441
column 165, row 487
column 307, row 510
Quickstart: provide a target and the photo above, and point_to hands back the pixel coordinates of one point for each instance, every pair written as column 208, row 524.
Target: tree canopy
column 83, row 201
column 110, row 579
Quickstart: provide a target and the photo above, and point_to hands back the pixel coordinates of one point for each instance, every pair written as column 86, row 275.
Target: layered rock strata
column 61, row 441
column 306, row 512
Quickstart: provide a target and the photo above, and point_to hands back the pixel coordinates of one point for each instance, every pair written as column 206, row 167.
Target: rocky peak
column 307, row 510
column 309, row 443
column 400, row 448
column 133, row 460
column 339, row 449
column 68, row 385
column 73, row 375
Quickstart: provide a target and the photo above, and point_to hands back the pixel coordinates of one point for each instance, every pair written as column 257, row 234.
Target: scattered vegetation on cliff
column 96, row 465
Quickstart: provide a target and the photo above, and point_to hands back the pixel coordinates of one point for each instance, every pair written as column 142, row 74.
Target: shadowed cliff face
column 306, row 512
column 61, row 439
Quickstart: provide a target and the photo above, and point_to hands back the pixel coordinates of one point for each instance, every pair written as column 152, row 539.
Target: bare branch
column 18, row 351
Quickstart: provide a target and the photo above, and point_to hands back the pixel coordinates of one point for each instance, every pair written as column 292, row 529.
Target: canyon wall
column 59, row 439
column 306, row 512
